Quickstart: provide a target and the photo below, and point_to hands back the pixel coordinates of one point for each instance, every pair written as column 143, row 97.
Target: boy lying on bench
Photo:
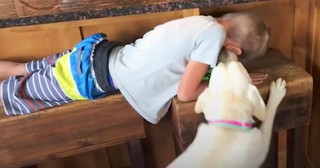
column 169, row 60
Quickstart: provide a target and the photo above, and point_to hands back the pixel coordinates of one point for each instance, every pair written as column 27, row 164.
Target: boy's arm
column 191, row 84
column 258, row 78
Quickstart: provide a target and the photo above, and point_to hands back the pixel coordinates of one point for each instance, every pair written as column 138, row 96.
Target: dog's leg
column 260, row 107
column 277, row 92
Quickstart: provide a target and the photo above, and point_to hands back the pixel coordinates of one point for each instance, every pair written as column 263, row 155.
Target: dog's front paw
column 277, row 90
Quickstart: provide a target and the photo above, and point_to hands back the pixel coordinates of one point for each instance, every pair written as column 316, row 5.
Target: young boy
column 167, row 61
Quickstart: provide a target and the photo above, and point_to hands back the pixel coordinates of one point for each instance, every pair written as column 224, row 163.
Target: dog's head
column 231, row 94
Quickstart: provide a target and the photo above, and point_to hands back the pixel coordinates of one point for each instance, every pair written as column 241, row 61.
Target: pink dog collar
column 232, row 124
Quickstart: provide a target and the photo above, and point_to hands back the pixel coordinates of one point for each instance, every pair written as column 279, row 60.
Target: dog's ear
column 203, row 98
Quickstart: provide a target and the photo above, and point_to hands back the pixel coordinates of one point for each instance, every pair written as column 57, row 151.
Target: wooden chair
column 293, row 114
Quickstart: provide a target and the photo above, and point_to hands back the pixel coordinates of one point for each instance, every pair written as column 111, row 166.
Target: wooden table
column 293, row 113
column 71, row 129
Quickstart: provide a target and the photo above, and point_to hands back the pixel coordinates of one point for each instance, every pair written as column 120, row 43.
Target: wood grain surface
column 11, row 9
column 67, row 130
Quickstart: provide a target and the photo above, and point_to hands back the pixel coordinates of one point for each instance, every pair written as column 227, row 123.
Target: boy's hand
column 258, row 78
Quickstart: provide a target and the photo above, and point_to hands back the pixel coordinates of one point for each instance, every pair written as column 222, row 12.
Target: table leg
column 296, row 147
column 136, row 153
column 177, row 148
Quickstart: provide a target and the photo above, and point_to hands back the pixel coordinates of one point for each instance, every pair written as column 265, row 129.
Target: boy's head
column 247, row 34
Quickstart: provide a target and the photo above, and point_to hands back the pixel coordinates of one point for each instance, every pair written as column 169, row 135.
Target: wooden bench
column 293, row 113
column 70, row 129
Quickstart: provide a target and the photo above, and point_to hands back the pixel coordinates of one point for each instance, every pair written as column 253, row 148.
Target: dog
column 229, row 103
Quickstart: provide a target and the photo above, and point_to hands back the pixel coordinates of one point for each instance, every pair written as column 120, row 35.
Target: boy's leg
column 8, row 69
column 39, row 88
column 44, row 62
column 35, row 91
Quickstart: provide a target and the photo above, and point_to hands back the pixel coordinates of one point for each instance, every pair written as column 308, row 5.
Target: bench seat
column 67, row 130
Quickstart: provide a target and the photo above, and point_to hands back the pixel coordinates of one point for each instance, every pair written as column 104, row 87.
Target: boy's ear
column 235, row 49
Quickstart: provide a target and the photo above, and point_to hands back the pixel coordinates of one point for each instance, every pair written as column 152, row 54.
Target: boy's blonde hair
column 250, row 31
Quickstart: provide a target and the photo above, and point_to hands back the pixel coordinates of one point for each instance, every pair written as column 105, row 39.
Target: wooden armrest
column 66, row 130
column 294, row 110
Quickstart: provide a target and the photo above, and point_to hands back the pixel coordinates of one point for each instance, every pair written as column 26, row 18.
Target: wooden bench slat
column 66, row 130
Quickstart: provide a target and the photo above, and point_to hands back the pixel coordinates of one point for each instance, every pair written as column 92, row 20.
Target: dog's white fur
column 232, row 96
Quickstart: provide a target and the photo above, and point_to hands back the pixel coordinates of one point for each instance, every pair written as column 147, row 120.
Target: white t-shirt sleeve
column 208, row 45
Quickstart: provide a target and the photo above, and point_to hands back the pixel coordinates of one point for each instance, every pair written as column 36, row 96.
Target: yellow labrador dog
column 228, row 140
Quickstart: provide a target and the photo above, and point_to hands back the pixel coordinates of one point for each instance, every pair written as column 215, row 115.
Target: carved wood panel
column 7, row 10
column 25, row 8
